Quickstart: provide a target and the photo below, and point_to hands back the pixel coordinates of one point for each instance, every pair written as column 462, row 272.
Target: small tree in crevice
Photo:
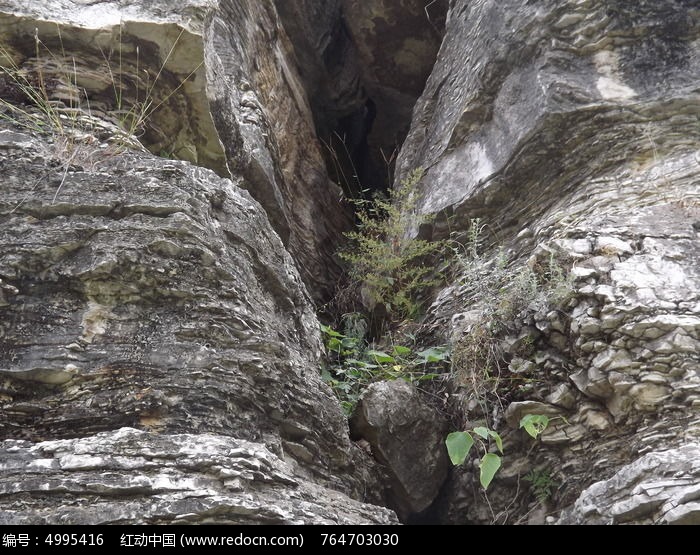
column 386, row 264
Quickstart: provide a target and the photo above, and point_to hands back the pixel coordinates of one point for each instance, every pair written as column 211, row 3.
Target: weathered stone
column 408, row 438
column 592, row 382
column 129, row 476
column 154, row 294
column 572, row 128
column 516, row 411
column 263, row 116
column 223, row 77
column 658, row 487
column 562, row 396
column 609, row 246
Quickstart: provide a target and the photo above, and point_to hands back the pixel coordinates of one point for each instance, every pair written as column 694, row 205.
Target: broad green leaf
column 379, row 356
column 400, row 350
column 482, row 432
column 334, row 344
column 330, row 331
column 458, row 446
column 490, row 463
column 349, row 342
column 434, row 354
column 497, row 439
column 534, row 424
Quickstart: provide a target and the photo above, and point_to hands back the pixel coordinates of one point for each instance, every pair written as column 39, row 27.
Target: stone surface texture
column 407, row 437
column 129, row 476
column 160, row 352
column 662, row 487
column 572, row 130
column 154, row 294
column 222, row 81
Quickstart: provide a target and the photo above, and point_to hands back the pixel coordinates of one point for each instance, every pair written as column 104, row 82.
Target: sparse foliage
column 542, row 484
column 27, row 100
column 354, row 364
column 459, row 445
column 505, row 295
column 386, row 262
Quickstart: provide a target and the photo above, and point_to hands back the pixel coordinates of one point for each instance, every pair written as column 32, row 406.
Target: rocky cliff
column 171, row 203
column 571, row 131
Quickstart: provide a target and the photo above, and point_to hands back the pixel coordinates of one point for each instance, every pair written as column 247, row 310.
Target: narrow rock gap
column 362, row 101
column 372, row 67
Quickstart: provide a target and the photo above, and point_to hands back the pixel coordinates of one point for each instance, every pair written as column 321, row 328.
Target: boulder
column 407, row 437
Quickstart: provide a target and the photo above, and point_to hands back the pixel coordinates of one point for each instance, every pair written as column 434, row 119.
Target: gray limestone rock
column 154, row 294
column 571, row 129
column 128, row 476
column 408, row 437
column 220, row 86
column 659, row 487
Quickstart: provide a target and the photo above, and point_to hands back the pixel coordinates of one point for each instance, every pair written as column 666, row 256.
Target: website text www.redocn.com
column 241, row 540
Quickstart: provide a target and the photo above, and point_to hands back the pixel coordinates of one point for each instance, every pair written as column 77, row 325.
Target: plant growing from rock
column 386, row 263
column 459, row 444
column 541, row 484
column 354, row 365
column 505, row 296
column 27, row 101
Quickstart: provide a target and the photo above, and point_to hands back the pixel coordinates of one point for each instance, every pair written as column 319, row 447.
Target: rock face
column 154, row 294
column 407, row 437
column 571, row 129
column 660, row 487
column 129, row 476
column 151, row 306
column 364, row 65
column 219, row 82
column 262, row 113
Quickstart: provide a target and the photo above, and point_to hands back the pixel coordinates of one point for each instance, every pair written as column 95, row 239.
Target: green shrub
column 386, row 263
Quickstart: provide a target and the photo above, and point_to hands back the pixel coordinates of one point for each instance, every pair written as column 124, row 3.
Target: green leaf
column 330, row 331
column 400, row 350
column 482, row 432
column 379, row 356
column 534, row 424
column 334, row 344
column 458, row 446
column 497, row 439
column 349, row 342
column 490, row 463
column 434, row 354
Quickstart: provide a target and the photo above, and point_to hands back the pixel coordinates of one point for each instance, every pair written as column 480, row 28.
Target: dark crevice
column 351, row 162
column 363, row 71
